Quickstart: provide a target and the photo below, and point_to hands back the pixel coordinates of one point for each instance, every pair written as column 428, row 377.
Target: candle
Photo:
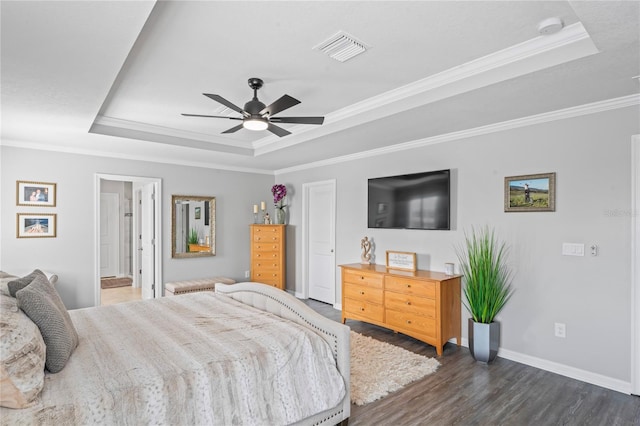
column 263, row 205
column 255, row 208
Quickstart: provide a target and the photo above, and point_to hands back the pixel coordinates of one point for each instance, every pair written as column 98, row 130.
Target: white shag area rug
column 379, row 368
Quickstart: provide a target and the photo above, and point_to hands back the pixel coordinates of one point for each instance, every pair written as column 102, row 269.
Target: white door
column 109, row 234
column 147, row 241
column 320, row 200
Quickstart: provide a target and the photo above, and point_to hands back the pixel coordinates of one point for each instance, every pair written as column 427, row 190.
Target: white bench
column 191, row 286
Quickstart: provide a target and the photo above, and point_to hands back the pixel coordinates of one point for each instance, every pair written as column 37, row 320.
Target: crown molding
column 562, row 114
column 572, row 43
column 135, row 126
column 121, row 156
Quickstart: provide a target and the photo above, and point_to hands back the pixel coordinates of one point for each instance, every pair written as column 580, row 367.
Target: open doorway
column 128, row 226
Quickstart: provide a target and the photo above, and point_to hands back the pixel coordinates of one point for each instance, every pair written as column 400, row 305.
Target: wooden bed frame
column 278, row 302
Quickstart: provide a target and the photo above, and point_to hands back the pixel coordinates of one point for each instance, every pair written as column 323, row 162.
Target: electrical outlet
column 560, row 330
column 246, row 274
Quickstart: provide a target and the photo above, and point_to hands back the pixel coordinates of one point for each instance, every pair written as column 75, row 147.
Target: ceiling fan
column 257, row 116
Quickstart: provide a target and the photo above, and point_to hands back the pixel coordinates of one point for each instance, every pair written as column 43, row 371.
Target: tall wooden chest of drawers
column 422, row 304
column 268, row 255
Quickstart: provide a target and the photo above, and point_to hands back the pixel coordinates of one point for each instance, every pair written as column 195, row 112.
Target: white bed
column 174, row 361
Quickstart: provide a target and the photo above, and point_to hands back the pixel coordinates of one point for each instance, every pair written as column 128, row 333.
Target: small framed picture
column 35, row 225
column 197, row 212
column 530, row 193
column 35, row 194
column 401, row 260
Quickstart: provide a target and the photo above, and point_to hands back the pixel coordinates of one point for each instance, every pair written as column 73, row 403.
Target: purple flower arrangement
column 279, row 192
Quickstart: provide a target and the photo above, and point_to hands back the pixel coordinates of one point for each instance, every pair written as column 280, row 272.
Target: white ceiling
column 112, row 78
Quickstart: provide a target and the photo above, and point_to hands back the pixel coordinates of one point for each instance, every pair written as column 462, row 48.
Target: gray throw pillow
column 42, row 304
column 20, row 283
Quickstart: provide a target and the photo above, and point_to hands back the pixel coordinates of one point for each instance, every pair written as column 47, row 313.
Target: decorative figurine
column 365, row 244
column 267, row 219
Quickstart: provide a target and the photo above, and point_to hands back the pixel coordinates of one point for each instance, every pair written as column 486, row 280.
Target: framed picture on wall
column 35, row 194
column 35, row 225
column 530, row 193
column 197, row 212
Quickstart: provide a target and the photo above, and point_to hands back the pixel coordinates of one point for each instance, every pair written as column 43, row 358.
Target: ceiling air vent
column 342, row 46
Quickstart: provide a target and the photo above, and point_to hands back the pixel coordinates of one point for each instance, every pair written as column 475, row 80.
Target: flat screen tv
column 413, row 201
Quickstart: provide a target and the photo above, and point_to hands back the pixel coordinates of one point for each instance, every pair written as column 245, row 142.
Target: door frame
column 306, row 187
column 635, row 264
column 157, row 228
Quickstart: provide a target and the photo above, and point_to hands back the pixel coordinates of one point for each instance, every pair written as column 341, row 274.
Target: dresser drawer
column 409, row 286
column 266, row 255
column 266, row 246
column 411, row 322
column 363, row 278
column 266, row 238
column 360, row 308
column 363, row 293
column 266, row 277
column 266, row 264
column 410, row 303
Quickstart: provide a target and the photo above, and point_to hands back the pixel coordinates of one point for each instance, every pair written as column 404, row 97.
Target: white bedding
column 193, row 359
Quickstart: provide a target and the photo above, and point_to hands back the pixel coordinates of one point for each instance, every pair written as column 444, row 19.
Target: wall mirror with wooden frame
column 193, row 226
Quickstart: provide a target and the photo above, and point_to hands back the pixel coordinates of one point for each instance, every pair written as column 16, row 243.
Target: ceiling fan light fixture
column 255, row 124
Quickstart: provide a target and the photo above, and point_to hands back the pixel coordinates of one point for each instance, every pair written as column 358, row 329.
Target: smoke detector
column 550, row 26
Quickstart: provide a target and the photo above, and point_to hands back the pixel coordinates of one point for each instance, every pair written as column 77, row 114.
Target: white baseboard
column 338, row 306
column 563, row 370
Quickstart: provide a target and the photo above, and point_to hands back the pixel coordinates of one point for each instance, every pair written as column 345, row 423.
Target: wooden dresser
column 268, row 255
column 421, row 304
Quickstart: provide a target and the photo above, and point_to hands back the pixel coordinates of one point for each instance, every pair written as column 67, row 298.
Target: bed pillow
column 22, row 356
column 41, row 302
column 20, row 283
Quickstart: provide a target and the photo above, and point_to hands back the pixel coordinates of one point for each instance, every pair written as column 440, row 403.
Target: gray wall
column 71, row 254
column 591, row 295
column 590, row 154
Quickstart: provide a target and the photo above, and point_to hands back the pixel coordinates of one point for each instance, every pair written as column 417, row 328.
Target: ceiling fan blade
column 226, row 103
column 299, row 120
column 279, row 131
column 281, row 104
column 211, row 116
column 233, row 129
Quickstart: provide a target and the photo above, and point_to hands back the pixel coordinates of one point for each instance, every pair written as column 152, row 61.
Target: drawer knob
column 362, row 309
column 361, row 277
column 257, row 255
column 408, row 302
column 408, row 321
column 408, row 285
column 362, row 292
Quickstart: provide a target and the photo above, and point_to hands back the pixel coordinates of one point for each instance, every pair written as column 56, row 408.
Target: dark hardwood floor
column 466, row 392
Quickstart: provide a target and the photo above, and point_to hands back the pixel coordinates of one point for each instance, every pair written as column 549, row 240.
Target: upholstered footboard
column 281, row 303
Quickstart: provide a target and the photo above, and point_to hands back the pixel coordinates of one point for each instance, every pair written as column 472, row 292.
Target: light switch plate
column 572, row 249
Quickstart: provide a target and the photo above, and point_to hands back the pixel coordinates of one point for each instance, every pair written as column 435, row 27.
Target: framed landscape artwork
column 530, row 193
column 35, row 194
column 35, row 225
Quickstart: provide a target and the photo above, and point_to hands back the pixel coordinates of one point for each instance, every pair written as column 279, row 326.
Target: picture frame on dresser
column 401, row 260
column 42, row 194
